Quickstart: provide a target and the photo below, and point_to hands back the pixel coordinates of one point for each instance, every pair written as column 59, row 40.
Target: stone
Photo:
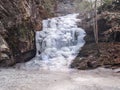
column 19, row 19
column 4, row 56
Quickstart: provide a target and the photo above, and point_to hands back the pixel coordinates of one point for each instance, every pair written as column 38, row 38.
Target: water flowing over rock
column 58, row 43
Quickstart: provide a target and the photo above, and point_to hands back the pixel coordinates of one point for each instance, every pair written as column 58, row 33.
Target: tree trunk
column 96, row 28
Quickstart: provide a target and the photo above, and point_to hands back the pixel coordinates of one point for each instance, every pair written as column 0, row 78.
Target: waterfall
column 58, row 43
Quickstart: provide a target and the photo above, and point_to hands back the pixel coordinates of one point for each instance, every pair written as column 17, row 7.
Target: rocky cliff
column 18, row 21
column 109, row 39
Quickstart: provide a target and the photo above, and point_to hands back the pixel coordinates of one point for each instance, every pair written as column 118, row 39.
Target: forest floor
column 98, row 79
column 107, row 57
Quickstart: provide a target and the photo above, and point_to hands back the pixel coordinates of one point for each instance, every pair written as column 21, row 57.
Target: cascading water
column 58, row 43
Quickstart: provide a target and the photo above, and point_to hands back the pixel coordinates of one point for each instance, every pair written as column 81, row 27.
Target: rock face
column 65, row 7
column 18, row 21
column 109, row 40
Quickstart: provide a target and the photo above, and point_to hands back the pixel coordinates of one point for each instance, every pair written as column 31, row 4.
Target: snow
column 99, row 79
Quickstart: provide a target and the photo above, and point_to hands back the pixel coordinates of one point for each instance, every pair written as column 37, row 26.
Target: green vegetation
column 107, row 1
column 84, row 5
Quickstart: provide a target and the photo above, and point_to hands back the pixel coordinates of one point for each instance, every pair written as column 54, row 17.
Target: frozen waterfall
column 58, row 43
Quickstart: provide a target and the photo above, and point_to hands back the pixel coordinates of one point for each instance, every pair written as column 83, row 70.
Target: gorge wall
column 108, row 19
column 18, row 21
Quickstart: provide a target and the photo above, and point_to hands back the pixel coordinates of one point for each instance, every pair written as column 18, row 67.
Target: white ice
column 58, row 43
